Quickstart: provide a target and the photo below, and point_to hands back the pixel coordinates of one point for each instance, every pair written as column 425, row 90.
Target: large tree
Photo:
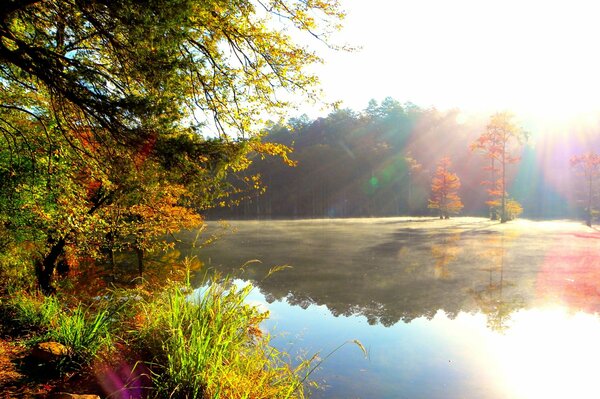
column 102, row 100
column 498, row 144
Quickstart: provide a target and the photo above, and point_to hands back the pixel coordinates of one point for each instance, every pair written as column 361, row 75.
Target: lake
column 460, row 308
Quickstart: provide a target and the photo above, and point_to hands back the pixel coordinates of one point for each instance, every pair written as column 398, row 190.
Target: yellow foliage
column 513, row 209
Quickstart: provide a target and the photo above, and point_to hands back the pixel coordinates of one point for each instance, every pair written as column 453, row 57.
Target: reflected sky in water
column 466, row 308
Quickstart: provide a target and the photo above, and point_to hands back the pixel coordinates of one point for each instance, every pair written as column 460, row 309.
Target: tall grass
column 203, row 345
column 84, row 331
column 33, row 312
column 210, row 346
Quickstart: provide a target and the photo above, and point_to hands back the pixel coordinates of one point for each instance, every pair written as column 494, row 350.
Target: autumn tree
column 588, row 166
column 444, row 190
column 93, row 93
column 497, row 144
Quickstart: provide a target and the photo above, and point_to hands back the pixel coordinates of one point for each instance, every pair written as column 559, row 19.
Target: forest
column 380, row 161
column 130, row 129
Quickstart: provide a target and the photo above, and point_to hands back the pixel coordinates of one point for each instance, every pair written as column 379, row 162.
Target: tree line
column 380, row 161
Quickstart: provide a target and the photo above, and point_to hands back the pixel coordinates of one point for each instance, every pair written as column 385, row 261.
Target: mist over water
column 459, row 308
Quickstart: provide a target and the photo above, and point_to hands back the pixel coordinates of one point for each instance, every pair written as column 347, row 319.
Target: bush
column 513, row 209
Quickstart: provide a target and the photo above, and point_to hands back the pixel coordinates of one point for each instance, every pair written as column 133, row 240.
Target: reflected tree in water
column 445, row 252
column 492, row 298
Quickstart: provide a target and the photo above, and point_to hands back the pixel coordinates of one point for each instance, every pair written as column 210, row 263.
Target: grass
column 189, row 344
column 33, row 313
column 210, row 346
column 83, row 330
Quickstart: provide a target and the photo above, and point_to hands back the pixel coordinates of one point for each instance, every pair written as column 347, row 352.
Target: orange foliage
column 496, row 144
column 444, row 190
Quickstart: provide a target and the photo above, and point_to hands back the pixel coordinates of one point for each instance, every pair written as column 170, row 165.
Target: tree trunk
column 588, row 220
column 44, row 269
column 140, row 260
column 493, row 211
column 503, row 218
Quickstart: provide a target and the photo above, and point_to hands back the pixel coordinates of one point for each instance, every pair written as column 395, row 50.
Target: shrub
column 33, row 313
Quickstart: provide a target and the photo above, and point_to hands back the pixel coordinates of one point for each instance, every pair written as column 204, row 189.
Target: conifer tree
column 444, row 190
column 497, row 144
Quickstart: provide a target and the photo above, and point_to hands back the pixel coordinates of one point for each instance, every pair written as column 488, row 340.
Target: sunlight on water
column 544, row 353
column 471, row 310
column 548, row 353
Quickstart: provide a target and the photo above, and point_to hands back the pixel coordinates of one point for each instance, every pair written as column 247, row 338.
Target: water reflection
column 396, row 271
column 460, row 309
column 491, row 298
column 444, row 253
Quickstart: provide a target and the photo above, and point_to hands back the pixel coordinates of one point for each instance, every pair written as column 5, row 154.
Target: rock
column 49, row 352
column 64, row 395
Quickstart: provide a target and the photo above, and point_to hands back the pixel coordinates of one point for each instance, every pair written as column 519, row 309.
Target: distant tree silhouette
column 588, row 166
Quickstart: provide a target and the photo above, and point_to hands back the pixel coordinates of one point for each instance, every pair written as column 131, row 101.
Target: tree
column 588, row 166
column 131, row 67
column 497, row 144
column 444, row 190
column 513, row 209
column 99, row 98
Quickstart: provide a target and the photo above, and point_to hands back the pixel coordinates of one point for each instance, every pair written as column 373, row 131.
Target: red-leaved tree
column 444, row 190
column 497, row 144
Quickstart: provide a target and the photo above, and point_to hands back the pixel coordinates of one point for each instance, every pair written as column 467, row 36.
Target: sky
column 539, row 59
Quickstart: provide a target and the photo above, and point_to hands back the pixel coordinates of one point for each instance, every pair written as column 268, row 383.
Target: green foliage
column 134, row 67
column 353, row 164
column 205, row 343
column 209, row 345
column 103, row 105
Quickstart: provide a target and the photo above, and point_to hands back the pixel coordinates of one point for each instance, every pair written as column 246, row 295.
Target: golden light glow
column 548, row 354
column 537, row 59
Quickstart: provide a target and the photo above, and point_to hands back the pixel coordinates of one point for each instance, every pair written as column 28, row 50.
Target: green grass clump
column 210, row 346
column 85, row 332
column 184, row 343
column 33, row 313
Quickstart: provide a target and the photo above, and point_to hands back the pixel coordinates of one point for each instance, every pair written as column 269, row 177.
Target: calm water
column 447, row 309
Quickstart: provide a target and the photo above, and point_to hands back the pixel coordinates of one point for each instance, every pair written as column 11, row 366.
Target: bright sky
column 538, row 59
